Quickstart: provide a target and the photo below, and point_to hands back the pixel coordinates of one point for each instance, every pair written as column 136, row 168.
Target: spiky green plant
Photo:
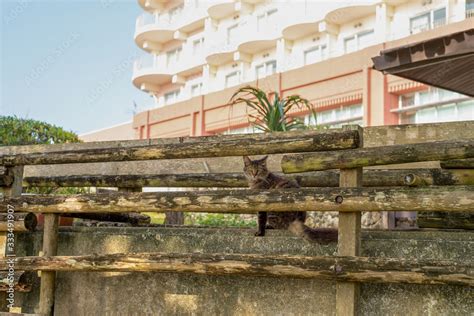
column 271, row 112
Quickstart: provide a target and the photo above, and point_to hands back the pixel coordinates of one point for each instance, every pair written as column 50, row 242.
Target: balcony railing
column 469, row 13
column 187, row 59
column 248, row 29
column 438, row 23
column 189, row 13
column 146, row 61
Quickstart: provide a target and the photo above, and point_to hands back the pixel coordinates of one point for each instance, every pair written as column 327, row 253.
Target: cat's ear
column 247, row 160
column 264, row 159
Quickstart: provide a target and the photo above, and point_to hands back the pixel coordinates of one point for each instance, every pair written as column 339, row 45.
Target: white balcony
column 154, row 29
column 251, row 36
column 306, row 16
column 152, row 5
column 343, row 12
column 150, row 72
column 221, row 9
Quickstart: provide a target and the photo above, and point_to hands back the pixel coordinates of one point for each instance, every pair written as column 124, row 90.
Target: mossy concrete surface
column 94, row 293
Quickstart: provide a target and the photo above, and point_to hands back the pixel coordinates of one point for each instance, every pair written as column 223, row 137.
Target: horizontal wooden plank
column 458, row 164
column 376, row 156
column 375, row 136
column 444, row 220
column 194, row 147
column 329, row 178
column 19, row 222
column 341, row 268
column 438, row 198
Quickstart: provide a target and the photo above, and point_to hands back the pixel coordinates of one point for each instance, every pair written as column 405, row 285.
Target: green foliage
column 272, row 113
column 219, row 220
column 16, row 131
column 60, row 190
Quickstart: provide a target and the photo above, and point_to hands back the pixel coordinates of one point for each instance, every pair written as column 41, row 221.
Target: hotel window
column 439, row 17
column 365, row 39
column 359, row 41
column 343, row 115
column 198, row 45
column 315, row 54
column 434, row 105
column 266, row 69
column 172, row 57
column 171, row 97
column 266, row 18
column 196, row 89
column 428, row 20
column 232, row 33
column 232, row 79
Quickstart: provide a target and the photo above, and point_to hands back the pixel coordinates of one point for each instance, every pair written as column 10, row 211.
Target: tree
column 272, row 114
column 17, row 131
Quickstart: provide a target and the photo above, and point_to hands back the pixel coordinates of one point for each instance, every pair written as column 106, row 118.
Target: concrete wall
column 81, row 293
column 122, row 131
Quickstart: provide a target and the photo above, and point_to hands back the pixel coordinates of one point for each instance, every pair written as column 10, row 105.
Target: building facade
column 197, row 53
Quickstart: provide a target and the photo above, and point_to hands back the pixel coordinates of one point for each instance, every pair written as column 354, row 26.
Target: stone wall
column 93, row 293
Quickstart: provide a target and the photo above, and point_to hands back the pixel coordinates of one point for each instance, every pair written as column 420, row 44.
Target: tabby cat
column 259, row 177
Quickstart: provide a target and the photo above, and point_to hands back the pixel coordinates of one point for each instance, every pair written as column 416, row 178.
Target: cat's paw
column 259, row 234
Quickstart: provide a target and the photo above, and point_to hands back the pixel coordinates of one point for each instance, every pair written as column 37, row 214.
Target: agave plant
column 271, row 113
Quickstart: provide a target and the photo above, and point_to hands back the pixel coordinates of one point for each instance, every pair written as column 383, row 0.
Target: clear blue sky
column 69, row 62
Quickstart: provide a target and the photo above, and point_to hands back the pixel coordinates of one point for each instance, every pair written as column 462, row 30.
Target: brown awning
column 446, row 62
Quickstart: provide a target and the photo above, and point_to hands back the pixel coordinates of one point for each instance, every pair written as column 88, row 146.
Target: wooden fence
column 349, row 190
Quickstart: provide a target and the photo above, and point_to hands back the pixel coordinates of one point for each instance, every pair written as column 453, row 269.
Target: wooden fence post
column 13, row 190
column 48, row 278
column 347, row 293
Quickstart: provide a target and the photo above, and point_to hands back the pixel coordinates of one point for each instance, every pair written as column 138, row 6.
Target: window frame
column 265, row 66
column 431, row 19
column 176, row 93
column 320, row 48
column 230, row 74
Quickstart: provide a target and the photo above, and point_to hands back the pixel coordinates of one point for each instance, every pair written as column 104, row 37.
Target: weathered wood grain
column 376, row 156
column 216, row 146
column 21, row 280
column 458, row 164
column 328, row 178
column 7, row 247
column 446, row 220
column 48, row 278
column 347, row 293
column 341, row 268
column 437, row 198
column 21, row 222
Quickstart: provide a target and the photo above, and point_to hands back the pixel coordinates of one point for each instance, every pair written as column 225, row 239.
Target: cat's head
column 255, row 169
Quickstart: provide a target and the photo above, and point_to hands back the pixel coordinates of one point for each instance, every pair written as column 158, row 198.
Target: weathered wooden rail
column 195, row 147
column 439, row 198
column 341, row 268
column 349, row 191
column 377, row 156
column 328, row 178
